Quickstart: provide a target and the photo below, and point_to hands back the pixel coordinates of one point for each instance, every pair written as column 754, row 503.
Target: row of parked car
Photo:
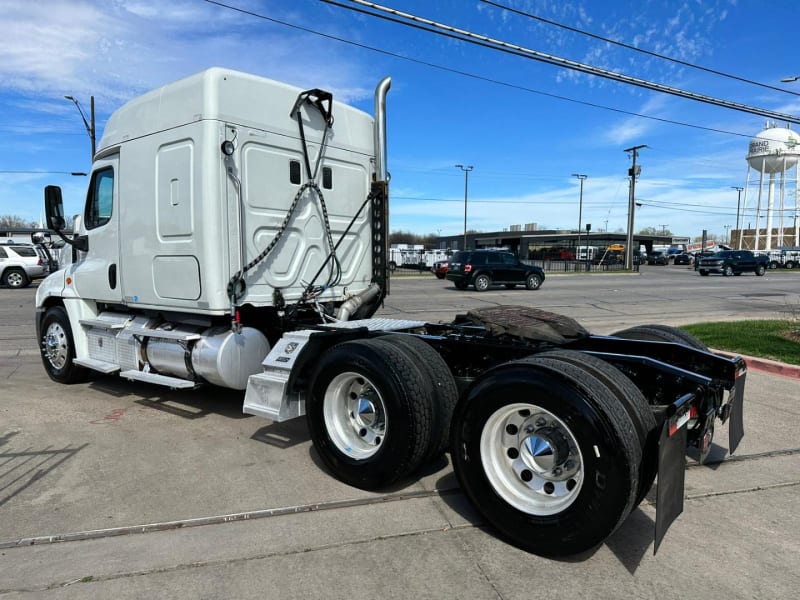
column 484, row 268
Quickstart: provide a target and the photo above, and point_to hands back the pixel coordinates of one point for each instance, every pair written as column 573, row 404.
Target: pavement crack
column 230, row 561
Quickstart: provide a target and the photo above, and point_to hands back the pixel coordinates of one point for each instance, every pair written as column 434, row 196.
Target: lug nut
column 526, row 475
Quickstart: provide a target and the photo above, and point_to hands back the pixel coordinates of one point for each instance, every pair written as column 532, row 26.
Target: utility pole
column 90, row 129
column 580, row 211
column 663, row 229
column 466, row 170
column 633, row 172
column 738, row 209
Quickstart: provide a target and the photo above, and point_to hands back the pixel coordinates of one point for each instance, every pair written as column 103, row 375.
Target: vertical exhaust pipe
column 380, row 128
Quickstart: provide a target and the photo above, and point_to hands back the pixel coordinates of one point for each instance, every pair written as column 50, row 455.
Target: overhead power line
column 410, row 20
column 636, row 48
column 467, row 73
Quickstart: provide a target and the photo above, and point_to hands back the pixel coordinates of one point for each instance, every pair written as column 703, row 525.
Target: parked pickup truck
column 733, row 262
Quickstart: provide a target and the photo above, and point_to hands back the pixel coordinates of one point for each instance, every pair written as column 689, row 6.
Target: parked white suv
column 20, row 264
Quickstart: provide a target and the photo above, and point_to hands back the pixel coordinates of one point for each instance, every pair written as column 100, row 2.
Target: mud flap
column 671, row 476
column 736, row 413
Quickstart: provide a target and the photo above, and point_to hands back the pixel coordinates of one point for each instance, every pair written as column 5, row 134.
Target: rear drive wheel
column 661, row 333
column 482, row 282
column 16, row 278
column 369, row 413
column 547, row 454
column 789, row 264
column 634, row 403
column 445, row 392
column 703, row 273
column 760, row 270
column 58, row 348
column 533, row 282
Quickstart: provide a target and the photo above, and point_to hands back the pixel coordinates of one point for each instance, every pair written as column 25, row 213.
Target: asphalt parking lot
column 126, row 490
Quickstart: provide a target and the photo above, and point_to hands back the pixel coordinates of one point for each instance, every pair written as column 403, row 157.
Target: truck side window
column 294, row 172
column 3, row 253
column 327, row 178
column 100, row 202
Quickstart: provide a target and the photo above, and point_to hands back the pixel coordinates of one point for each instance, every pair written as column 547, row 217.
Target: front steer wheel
column 369, row 413
column 533, row 282
column 547, row 454
column 58, row 348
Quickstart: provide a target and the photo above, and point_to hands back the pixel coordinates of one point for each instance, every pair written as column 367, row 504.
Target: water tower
column 776, row 150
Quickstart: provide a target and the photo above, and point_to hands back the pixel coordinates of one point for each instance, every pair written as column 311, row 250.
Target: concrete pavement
column 167, row 494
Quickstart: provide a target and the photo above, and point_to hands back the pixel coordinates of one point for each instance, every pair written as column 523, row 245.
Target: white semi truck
column 235, row 234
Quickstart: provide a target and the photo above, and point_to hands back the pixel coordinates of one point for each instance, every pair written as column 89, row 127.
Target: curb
column 765, row 365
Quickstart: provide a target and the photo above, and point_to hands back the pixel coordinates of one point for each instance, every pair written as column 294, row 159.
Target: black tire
column 58, row 348
column 482, row 282
column 16, row 278
column 461, row 285
column 634, row 403
column 789, row 264
column 594, row 455
column 445, row 392
column 392, row 266
column 703, row 273
column 760, row 270
column 774, row 264
column 727, row 270
column 533, row 282
column 510, row 286
column 369, row 413
column 661, row 333
column 439, row 275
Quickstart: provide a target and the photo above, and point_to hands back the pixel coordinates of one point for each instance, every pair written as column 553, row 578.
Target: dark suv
column 733, row 262
column 482, row 268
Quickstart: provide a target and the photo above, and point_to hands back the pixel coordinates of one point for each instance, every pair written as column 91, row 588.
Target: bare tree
column 14, row 222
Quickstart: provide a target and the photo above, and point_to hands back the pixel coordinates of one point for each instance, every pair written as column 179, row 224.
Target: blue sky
column 450, row 102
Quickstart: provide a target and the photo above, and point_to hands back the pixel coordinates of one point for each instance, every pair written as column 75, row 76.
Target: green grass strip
column 775, row 340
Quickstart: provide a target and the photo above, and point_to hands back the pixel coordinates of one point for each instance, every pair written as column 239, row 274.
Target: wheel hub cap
column 355, row 416
column 531, row 459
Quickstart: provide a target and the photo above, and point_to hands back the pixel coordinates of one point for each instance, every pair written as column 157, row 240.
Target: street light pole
column 633, row 172
column 738, row 208
column 466, row 170
column 90, row 129
column 580, row 216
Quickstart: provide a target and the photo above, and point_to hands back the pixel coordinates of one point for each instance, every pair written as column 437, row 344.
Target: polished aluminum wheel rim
column 531, row 459
column 56, row 347
column 355, row 415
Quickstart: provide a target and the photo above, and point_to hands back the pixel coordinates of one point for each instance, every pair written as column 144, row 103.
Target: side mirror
column 37, row 237
column 54, row 207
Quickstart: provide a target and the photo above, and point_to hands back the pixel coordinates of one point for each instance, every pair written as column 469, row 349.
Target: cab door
column 96, row 274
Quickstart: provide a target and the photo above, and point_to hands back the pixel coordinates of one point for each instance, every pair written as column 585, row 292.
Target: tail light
column 467, row 268
column 40, row 263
